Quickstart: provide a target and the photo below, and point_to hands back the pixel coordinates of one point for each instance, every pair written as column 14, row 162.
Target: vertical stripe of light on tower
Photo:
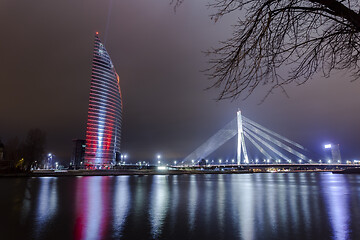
column 240, row 142
column 103, row 130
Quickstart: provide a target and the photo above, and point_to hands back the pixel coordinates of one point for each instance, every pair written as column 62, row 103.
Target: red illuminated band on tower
column 103, row 130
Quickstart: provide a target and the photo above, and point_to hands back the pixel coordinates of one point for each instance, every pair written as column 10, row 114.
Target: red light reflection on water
column 92, row 202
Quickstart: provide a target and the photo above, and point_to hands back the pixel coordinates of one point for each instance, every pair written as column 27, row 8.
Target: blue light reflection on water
column 192, row 202
column 159, row 204
column 336, row 194
column 46, row 206
column 121, row 204
column 174, row 204
column 248, row 206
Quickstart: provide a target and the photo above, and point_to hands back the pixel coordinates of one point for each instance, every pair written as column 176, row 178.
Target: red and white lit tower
column 103, row 130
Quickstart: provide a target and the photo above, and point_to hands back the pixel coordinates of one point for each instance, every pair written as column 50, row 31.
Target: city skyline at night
column 159, row 55
column 180, row 119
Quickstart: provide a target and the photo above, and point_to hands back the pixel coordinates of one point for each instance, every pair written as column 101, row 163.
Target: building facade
column 103, row 132
column 78, row 154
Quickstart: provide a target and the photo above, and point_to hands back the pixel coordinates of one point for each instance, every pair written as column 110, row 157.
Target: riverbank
column 348, row 171
column 130, row 172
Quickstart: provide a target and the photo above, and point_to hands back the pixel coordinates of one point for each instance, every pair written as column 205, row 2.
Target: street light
column 50, row 158
column 158, row 158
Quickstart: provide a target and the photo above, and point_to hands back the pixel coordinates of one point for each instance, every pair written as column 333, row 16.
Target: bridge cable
column 272, row 133
column 276, row 142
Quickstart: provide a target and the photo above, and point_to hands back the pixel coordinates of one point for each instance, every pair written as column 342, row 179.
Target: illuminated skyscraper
column 103, row 130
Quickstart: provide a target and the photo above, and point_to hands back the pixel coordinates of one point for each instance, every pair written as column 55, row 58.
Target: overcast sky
column 45, row 68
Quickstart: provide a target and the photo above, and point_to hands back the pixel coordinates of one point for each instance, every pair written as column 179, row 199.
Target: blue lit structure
column 103, row 130
column 271, row 145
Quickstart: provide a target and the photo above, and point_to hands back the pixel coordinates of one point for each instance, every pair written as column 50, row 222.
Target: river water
column 224, row 206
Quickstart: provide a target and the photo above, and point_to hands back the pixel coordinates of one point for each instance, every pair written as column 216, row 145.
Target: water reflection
column 122, row 201
column 174, row 202
column 46, row 204
column 220, row 202
column 91, row 207
column 293, row 196
column 26, row 201
column 336, row 194
column 244, row 206
column 209, row 196
column 192, row 202
column 159, row 204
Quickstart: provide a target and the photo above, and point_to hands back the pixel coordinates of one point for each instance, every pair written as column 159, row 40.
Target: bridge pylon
column 240, row 140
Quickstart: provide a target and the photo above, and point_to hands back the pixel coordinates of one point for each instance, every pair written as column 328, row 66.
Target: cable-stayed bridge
column 272, row 146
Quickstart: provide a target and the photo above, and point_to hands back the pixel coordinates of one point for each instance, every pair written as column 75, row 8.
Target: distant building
column 335, row 153
column 103, row 131
column 78, row 153
column 332, row 152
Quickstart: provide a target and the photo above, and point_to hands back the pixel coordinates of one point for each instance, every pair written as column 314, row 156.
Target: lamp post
column 125, row 157
column 49, row 163
column 158, row 158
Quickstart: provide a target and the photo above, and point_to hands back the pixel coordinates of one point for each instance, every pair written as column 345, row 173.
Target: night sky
column 45, row 69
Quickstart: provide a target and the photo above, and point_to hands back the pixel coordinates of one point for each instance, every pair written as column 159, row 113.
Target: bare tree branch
column 306, row 36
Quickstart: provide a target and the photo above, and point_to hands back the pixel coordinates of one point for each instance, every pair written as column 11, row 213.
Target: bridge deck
column 277, row 165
